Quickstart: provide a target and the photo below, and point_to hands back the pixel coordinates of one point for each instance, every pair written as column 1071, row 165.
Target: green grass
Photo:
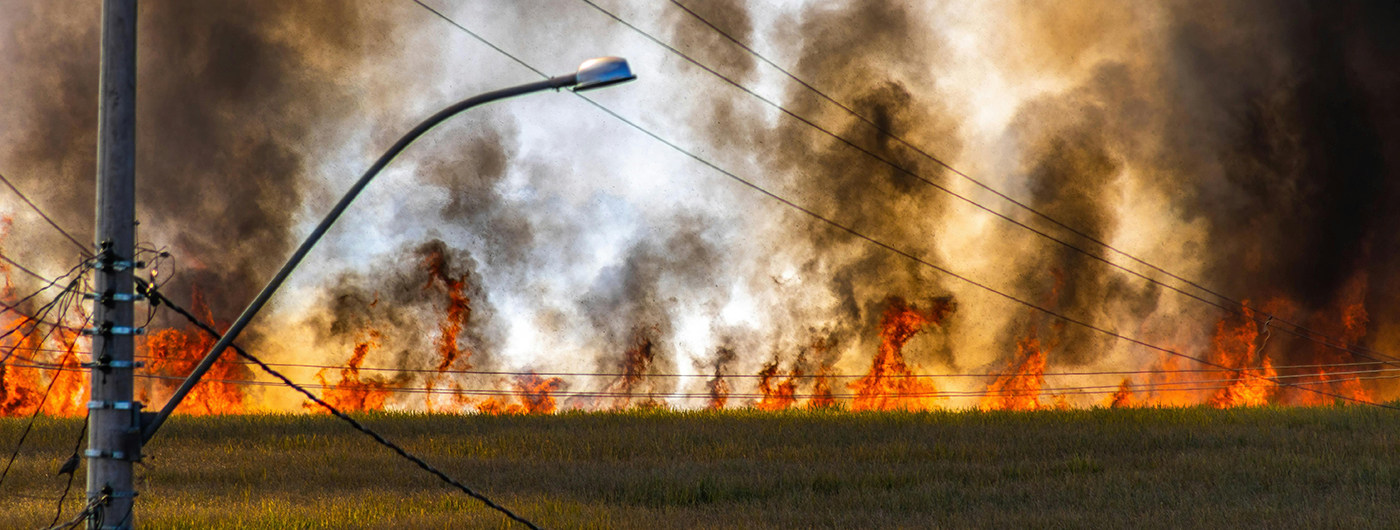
column 1327, row 467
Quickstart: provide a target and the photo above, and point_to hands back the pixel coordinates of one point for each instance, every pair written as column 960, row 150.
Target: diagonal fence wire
column 157, row 297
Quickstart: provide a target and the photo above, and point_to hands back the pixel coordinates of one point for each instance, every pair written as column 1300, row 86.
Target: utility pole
column 114, row 419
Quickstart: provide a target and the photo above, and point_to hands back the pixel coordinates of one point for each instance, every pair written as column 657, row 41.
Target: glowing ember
column 891, row 384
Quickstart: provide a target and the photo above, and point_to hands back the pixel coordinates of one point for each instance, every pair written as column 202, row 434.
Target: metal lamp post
column 592, row 74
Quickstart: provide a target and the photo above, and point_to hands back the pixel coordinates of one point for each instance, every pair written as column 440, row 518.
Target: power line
column 1246, row 374
column 805, row 375
column 872, row 240
column 948, row 272
column 24, row 434
column 41, row 314
column 1150, row 388
column 86, row 252
column 156, row 295
column 1305, row 332
column 5, row 308
column 22, row 268
column 73, row 472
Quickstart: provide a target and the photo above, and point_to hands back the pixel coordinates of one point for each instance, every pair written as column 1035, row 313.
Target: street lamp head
column 602, row 72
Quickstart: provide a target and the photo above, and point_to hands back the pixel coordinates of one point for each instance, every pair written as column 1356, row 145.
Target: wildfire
column 450, row 329
column 351, row 393
column 891, row 384
column 1251, row 382
column 534, row 392
column 175, row 353
column 24, row 340
column 717, row 386
column 1123, row 397
column 821, row 390
column 1019, row 388
column 777, row 395
column 1348, row 327
column 635, row 364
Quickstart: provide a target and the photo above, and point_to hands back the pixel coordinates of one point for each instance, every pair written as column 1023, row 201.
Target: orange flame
column 1019, row 388
column 777, row 396
column 174, row 353
column 635, row 364
column 69, row 393
column 353, row 394
column 1235, row 346
column 1348, row 327
column 1123, row 398
column 450, row 329
column 891, row 383
column 535, row 392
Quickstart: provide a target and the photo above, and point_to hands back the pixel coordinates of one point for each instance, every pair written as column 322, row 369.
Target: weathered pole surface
column 113, row 428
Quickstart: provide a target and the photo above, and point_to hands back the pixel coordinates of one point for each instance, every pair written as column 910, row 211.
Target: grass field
column 1330, row 467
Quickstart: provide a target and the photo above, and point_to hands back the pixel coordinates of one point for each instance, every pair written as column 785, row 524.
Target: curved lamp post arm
column 594, row 73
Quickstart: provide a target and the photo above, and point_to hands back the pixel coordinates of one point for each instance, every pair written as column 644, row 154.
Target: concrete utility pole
column 114, row 430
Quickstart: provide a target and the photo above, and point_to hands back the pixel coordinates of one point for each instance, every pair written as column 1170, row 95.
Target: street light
column 592, row 74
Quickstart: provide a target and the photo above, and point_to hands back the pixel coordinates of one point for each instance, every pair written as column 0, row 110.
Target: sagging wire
column 28, row 427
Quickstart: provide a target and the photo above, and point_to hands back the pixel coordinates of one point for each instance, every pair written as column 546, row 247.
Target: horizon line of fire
column 1250, row 378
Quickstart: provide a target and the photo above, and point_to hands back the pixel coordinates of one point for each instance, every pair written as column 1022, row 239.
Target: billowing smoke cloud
column 234, row 102
column 1251, row 146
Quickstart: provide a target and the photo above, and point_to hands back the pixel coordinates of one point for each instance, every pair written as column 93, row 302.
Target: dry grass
column 1331, row 467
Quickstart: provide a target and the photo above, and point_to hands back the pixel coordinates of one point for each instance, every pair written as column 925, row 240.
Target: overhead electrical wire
column 5, row 308
column 1150, row 388
column 860, row 235
column 1300, row 331
column 1280, row 368
column 87, row 253
column 156, row 296
column 33, row 322
column 29, row 425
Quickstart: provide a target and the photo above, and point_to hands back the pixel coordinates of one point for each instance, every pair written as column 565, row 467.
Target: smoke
column 1251, row 146
column 233, row 106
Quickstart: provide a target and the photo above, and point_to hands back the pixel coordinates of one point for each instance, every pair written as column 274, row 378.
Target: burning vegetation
column 1265, row 171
